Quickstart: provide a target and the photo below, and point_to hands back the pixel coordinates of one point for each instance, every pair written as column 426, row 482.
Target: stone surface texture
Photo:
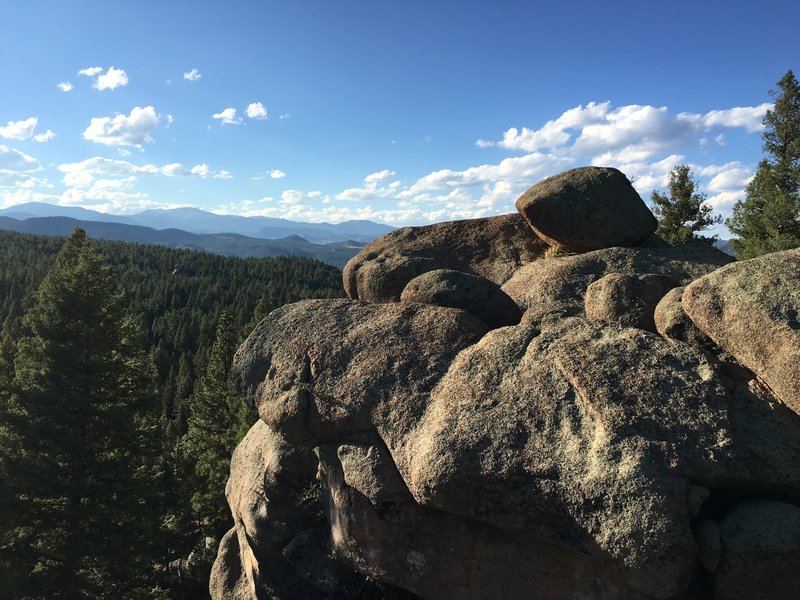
column 617, row 424
column 587, row 208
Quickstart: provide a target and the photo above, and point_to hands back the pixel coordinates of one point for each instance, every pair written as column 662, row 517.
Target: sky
column 405, row 113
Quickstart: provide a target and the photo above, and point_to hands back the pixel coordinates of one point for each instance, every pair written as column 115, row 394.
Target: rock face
column 752, row 310
column 454, row 289
column 587, row 209
column 618, row 439
column 627, row 298
column 492, row 248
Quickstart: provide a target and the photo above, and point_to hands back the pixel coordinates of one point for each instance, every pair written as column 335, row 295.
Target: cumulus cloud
column 277, row 174
column 19, row 130
column 192, row 75
column 256, row 110
column 90, row 71
column 748, row 118
column 84, row 173
column 65, row 86
column 124, row 130
column 227, row 117
column 24, row 130
column 111, row 79
column 375, row 186
column 12, row 160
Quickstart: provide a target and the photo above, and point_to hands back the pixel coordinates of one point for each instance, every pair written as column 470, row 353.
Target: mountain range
column 193, row 220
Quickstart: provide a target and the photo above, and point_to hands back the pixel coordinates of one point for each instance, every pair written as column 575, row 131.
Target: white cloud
column 111, row 79
column 44, row 137
column 192, row 75
column 379, row 176
column 227, row 117
column 82, row 174
column 481, row 143
column 24, row 130
column 285, row 116
column 65, row 86
column 256, row 110
column 121, row 130
column 12, row 160
column 200, row 170
column 747, row 117
column 277, row 174
column 19, row 130
column 90, row 71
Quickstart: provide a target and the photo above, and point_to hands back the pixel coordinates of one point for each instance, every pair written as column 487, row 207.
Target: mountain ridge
column 227, row 244
column 198, row 221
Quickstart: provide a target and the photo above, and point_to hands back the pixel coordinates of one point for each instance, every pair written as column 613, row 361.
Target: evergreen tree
column 218, row 420
column 75, row 432
column 683, row 213
column 768, row 219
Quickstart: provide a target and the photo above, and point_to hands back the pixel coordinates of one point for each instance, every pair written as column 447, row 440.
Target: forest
column 117, row 417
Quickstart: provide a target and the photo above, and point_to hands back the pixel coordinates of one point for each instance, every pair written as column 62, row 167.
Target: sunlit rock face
column 484, row 419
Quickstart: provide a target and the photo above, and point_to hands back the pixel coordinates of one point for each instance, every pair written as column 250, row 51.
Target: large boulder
column 320, row 370
column 588, row 208
column 492, row 248
column 627, row 298
column 476, row 295
column 426, row 449
column 560, row 283
column 751, row 309
column 760, row 552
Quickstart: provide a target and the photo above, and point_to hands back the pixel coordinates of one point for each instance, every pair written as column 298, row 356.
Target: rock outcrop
column 587, row 209
column 494, row 423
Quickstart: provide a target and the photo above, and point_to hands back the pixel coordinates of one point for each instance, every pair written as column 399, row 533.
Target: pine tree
column 768, row 219
column 218, row 420
column 683, row 213
column 76, row 429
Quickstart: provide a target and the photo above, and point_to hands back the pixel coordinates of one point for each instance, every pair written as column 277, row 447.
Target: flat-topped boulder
column 587, row 208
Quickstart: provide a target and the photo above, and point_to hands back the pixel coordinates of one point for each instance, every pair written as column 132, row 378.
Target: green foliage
column 77, row 466
column 173, row 306
column 218, row 419
column 683, row 213
column 768, row 219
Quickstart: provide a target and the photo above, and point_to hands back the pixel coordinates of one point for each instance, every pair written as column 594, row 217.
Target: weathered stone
column 582, row 434
column 585, row 209
column 455, row 289
column 441, row 556
column 629, row 299
column 319, row 371
column 710, row 546
column 751, row 309
column 672, row 322
column 560, row 283
column 760, row 556
column 491, row 248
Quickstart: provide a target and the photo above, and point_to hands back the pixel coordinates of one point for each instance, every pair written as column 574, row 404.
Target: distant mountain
column 725, row 246
column 31, row 210
column 194, row 220
column 229, row 244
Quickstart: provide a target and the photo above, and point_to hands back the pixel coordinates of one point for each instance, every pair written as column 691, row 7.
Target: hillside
column 177, row 296
column 228, row 244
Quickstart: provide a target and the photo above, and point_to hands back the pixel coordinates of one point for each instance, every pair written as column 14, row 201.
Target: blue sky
column 401, row 112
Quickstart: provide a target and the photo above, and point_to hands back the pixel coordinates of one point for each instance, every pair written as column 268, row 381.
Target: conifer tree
column 218, row 420
column 76, row 429
column 683, row 213
column 768, row 219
